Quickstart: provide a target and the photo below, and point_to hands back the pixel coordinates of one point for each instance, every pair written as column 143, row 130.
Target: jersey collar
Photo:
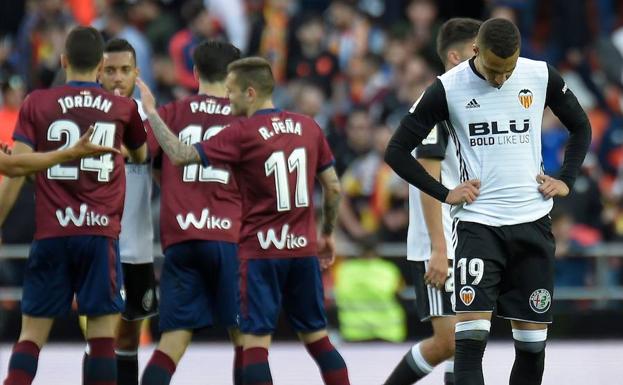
column 76, row 83
column 267, row 111
column 472, row 65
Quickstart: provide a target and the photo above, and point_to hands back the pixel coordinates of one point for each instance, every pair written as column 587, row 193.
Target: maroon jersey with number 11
column 82, row 197
column 275, row 156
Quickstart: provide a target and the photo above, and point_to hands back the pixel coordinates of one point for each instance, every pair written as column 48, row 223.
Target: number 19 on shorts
column 475, row 268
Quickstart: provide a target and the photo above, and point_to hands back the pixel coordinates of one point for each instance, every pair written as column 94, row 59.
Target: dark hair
column 212, row 57
column 253, row 72
column 500, row 36
column 120, row 45
column 191, row 9
column 84, row 48
column 456, row 31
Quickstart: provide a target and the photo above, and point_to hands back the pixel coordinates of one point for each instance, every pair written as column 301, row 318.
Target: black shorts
column 429, row 301
column 508, row 268
column 140, row 291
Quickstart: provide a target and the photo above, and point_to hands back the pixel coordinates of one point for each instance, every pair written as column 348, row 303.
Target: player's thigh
column 479, row 263
column 184, row 303
column 47, row 289
column 224, row 284
column 529, row 279
column 429, row 300
column 140, row 291
column 261, row 282
column 303, row 298
column 97, row 262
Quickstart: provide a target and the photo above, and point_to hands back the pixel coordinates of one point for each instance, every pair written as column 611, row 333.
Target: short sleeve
column 24, row 129
column 434, row 145
column 134, row 135
column 325, row 156
column 222, row 147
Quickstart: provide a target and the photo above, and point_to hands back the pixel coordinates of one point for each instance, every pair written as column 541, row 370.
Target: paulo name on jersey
column 438, row 146
column 197, row 203
column 82, row 197
column 275, row 156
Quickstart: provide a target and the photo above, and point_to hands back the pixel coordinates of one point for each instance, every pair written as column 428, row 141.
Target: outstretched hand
column 326, row 251
column 147, row 98
column 551, row 187
column 85, row 148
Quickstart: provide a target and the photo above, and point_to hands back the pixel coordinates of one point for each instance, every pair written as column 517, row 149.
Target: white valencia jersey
column 437, row 146
column 137, row 234
column 498, row 135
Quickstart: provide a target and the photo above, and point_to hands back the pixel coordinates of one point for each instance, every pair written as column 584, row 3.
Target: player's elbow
column 178, row 161
column 392, row 155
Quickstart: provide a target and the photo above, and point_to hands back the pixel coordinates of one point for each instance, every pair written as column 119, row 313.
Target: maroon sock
column 101, row 366
column 23, row 363
column 330, row 362
column 238, row 365
column 256, row 370
column 159, row 370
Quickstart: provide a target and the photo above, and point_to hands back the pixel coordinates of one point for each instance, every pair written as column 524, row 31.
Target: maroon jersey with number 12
column 82, row 197
column 197, row 203
column 275, row 156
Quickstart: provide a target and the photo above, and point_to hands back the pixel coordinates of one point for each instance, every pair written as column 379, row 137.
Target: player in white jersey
column 118, row 75
column 504, row 258
column 430, row 248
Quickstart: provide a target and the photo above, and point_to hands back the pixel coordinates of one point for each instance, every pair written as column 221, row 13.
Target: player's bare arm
column 10, row 187
column 437, row 271
column 25, row 164
column 332, row 192
column 179, row 153
column 429, row 110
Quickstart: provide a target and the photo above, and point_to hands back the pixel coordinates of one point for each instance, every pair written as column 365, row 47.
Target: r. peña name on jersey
column 279, row 126
column 499, row 133
column 286, row 240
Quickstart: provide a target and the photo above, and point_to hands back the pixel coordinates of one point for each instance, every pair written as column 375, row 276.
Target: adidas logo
column 472, row 104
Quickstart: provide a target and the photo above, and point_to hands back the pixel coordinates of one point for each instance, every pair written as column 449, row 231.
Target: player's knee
column 477, row 330
column 445, row 345
column 531, row 341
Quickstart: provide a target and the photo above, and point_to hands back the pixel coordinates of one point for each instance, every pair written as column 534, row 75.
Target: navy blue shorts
column 266, row 284
column 86, row 265
column 199, row 285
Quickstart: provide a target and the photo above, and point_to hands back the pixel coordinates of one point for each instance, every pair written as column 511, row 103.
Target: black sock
column 85, row 358
column 127, row 369
column 529, row 363
column 408, row 371
column 448, row 376
column 468, row 360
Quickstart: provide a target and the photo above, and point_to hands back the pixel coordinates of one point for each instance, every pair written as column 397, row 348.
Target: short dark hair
column 456, row 31
column 84, row 48
column 191, row 9
column 120, row 45
column 253, row 72
column 212, row 57
column 500, row 36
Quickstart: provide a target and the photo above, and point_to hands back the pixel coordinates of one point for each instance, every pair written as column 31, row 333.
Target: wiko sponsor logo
column 285, row 241
column 83, row 218
column 205, row 221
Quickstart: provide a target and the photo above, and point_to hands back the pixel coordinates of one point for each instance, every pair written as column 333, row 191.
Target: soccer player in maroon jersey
column 199, row 222
column 275, row 156
column 78, row 210
column 26, row 164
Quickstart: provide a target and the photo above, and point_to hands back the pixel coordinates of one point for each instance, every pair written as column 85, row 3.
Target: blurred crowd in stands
column 357, row 66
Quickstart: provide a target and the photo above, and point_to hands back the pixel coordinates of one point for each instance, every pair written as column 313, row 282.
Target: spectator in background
column 351, row 34
column 6, row 69
column 422, row 15
column 116, row 24
column 39, row 13
column 51, row 43
column 354, row 142
column 310, row 100
column 158, row 26
column 309, row 57
column 365, row 295
column 13, row 93
column 200, row 26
